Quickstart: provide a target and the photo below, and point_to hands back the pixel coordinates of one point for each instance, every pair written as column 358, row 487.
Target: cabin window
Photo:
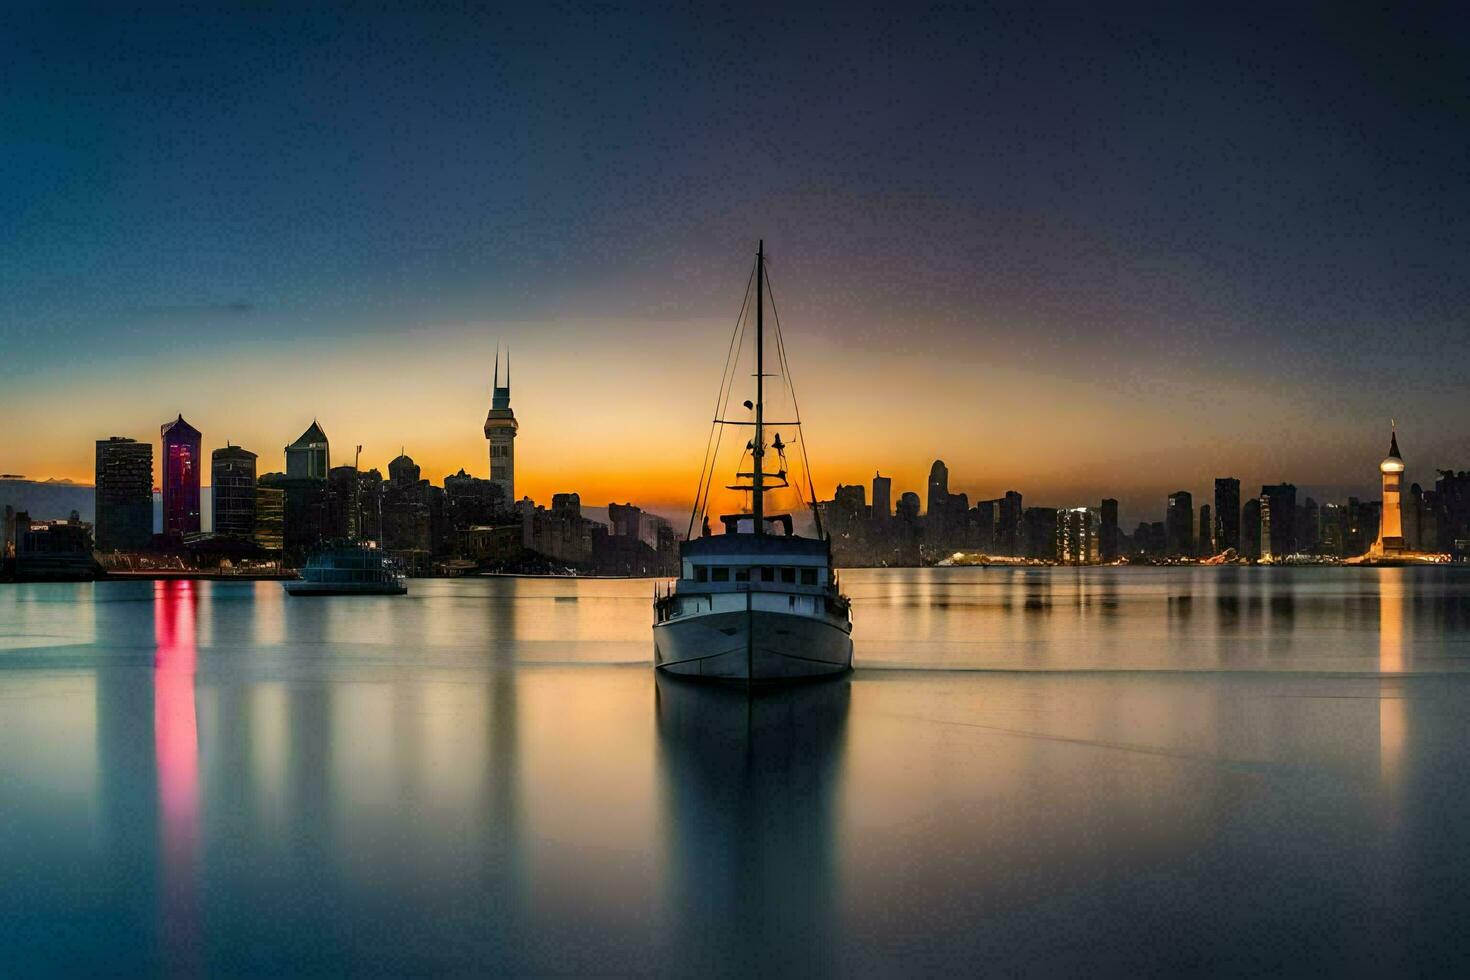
column 719, row 573
column 701, row 573
column 742, row 575
column 768, row 574
column 788, row 575
column 808, row 576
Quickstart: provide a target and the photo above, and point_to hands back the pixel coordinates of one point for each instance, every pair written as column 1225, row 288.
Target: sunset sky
column 1081, row 254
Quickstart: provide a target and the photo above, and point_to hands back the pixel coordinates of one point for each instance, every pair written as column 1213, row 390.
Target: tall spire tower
column 1391, row 527
column 500, row 430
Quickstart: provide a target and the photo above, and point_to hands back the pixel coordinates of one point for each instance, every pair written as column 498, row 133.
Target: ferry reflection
column 750, row 781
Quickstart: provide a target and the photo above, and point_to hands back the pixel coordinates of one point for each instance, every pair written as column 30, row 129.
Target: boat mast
column 758, row 479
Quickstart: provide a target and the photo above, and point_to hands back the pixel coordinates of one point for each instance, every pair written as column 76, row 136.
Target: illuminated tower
column 1391, row 527
column 181, row 478
column 500, row 430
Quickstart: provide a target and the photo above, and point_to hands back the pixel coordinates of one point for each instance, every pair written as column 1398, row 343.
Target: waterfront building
column 1227, row 514
column 306, row 513
column 1078, row 536
column 1008, row 525
column 309, row 457
column 1179, row 524
column 1250, row 530
column 882, row 499
column 1108, row 543
column 983, row 525
column 1330, row 530
column 938, row 488
column 181, row 477
column 1282, row 518
column 500, row 431
column 1205, row 546
column 1390, row 540
column 232, row 488
column 1308, row 527
column 123, row 507
column 270, row 518
column 1265, row 551
column 1039, row 532
column 52, row 550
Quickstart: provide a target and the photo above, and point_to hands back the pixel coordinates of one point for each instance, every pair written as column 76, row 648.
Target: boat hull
column 752, row 646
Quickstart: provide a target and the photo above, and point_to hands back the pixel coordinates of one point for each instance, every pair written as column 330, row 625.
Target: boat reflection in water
column 750, row 781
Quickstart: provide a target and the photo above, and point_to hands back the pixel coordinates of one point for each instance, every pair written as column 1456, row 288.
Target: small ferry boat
column 758, row 602
column 349, row 569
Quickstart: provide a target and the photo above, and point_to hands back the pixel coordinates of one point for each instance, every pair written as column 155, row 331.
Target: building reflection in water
column 1391, row 724
column 176, row 747
column 749, row 788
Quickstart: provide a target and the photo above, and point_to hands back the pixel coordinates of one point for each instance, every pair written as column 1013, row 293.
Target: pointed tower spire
column 497, row 365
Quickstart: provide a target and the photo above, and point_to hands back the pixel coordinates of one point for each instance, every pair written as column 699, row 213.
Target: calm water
column 1219, row 770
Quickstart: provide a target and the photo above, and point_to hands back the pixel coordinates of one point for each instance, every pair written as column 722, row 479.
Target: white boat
column 348, row 569
column 758, row 602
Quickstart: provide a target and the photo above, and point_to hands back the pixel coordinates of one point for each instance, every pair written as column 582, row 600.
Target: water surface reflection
column 749, row 783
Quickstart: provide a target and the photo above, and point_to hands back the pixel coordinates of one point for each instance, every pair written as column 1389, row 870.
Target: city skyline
column 903, row 476
column 1137, row 250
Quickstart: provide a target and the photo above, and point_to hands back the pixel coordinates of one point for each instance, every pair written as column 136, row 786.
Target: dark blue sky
column 1257, row 215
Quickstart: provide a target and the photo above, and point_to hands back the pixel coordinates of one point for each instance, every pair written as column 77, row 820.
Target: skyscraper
column 882, row 497
column 1008, row 539
column 938, row 488
column 1391, row 527
column 1282, row 518
column 1250, row 530
column 1179, row 524
column 309, row 457
column 232, row 485
column 181, row 461
column 1108, row 532
column 1077, row 536
column 1227, row 513
column 124, row 494
column 500, row 430
column 1205, row 543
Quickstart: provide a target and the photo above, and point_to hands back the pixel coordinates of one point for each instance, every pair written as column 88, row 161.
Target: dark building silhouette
column 938, row 487
column 124, row 494
column 1108, row 543
column 1179, row 524
column 408, row 529
column 1250, row 530
column 1451, row 510
column 1282, row 518
column 1008, row 525
column 52, row 550
column 181, row 477
column 1227, row 513
column 1308, row 527
column 474, row 502
column 1205, row 545
column 305, row 514
column 232, row 487
column 309, row 457
column 270, row 518
column 1331, row 530
column 1039, row 532
column 882, row 499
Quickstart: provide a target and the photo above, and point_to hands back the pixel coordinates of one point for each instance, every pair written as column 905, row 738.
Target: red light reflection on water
column 176, row 750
